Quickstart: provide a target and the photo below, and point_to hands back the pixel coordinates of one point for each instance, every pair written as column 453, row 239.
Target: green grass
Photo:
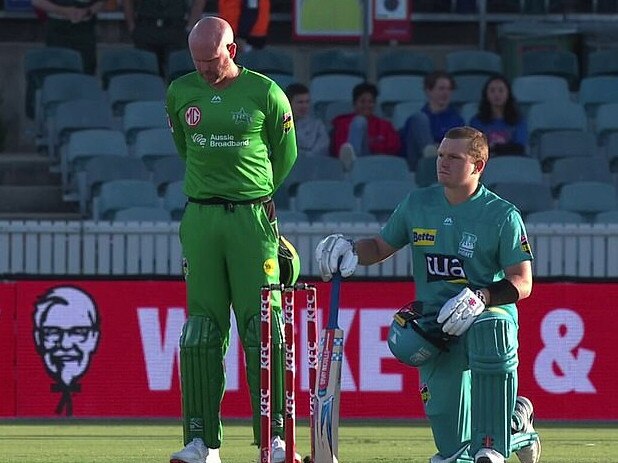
column 153, row 441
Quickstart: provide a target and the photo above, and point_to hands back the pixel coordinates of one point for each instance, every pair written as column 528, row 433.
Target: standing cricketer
column 234, row 129
column 471, row 264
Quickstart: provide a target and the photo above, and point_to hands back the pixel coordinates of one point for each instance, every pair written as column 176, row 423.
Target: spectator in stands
column 500, row 119
column 250, row 20
column 311, row 135
column 424, row 130
column 161, row 26
column 362, row 133
column 72, row 24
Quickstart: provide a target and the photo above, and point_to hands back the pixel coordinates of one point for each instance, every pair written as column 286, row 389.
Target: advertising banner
column 110, row 349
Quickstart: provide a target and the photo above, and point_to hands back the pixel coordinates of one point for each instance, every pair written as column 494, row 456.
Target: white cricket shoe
column 486, row 455
column 194, row 452
column 347, row 156
column 277, row 450
column 525, row 413
column 213, row 456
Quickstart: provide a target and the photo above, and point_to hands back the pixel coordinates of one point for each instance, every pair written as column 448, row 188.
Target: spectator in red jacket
column 362, row 133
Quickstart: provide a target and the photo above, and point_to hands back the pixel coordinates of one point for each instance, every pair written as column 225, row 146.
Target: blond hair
column 478, row 147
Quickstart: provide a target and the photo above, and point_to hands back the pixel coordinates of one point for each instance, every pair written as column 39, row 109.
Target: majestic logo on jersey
column 215, row 99
column 193, row 116
column 242, row 117
column 466, row 245
column 445, row 268
column 288, row 122
column 525, row 246
column 424, row 236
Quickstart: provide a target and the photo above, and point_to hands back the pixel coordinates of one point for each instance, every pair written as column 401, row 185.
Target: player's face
column 300, row 105
column 454, row 165
column 213, row 65
column 440, row 94
column 497, row 93
column 365, row 104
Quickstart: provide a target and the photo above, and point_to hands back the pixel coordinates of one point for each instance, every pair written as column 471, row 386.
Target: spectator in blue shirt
column 500, row 120
column 428, row 127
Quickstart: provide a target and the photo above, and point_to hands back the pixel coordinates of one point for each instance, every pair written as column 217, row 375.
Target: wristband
column 502, row 292
column 481, row 295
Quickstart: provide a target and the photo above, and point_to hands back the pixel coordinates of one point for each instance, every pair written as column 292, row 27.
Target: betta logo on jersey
column 445, row 268
column 288, row 122
column 525, row 246
column 193, row 116
column 424, row 236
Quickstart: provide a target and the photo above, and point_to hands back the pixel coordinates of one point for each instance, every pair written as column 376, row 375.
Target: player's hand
column 459, row 312
column 330, row 250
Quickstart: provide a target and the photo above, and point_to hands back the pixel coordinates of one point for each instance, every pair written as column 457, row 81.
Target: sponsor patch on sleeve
column 525, row 246
column 288, row 122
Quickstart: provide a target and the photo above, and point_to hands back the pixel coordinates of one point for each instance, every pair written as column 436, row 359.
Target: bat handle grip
column 333, row 313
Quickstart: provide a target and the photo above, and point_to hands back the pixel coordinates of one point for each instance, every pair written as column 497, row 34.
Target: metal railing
column 114, row 249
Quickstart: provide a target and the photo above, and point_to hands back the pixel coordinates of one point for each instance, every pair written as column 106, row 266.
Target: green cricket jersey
column 469, row 244
column 238, row 142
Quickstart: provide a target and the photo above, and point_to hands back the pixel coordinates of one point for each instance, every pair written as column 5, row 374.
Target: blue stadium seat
column 606, row 121
column 426, row 172
column 606, row 217
column 469, row 110
column 314, row 197
column 331, row 87
column 403, row 62
column 167, row 170
column 153, row 144
column 122, row 194
column 473, row 62
column 587, row 197
column 337, row 61
column 565, row 144
column 315, row 168
column 378, row 167
column 559, row 63
column 179, row 63
column 555, row 115
column 381, row 197
column 286, row 215
column 395, row 89
column 509, row 169
column 611, row 149
column 529, row 90
column 598, row 90
column 334, row 109
column 402, row 111
column 553, row 216
column 603, row 63
column 126, row 60
column 125, row 88
column 267, row 61
column 569, row 170
column 348, row 217
column 140, row 115
column 527, row 197
column 142, row 214
column 175, row 200
column 469, row 88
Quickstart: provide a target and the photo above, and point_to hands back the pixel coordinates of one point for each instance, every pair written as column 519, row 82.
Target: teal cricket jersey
column 469, row 244
column 238, row 142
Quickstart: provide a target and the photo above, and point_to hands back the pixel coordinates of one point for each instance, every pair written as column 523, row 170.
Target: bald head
column 212, row 47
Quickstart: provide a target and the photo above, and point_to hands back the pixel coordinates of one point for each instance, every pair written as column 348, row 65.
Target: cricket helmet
column 408, row 345
column 289, row 262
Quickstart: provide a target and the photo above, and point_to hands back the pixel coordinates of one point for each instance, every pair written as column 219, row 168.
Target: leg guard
column 492, row 355
column 202, row 349
column 251, row 345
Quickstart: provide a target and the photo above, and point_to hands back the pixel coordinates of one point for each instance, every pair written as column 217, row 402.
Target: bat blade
column 328, row 385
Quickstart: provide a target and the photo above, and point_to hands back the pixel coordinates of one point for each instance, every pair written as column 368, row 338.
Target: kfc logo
column 66, row 336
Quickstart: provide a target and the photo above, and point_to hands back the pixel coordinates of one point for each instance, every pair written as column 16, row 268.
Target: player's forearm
column 369, row 251
column 282, row 166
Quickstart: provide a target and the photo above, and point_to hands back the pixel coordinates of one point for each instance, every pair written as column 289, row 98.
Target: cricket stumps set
column 324, row 374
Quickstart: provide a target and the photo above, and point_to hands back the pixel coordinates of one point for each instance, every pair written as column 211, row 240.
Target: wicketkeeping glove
column 459, row 312
column 327, row 254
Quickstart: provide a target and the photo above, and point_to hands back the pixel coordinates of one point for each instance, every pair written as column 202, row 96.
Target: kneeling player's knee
column 492, row 345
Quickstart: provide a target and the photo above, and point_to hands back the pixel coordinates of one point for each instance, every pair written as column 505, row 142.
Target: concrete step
column 26, row 169
column 25, row 199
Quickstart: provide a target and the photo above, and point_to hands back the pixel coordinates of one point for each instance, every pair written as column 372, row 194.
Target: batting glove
column 459, row 312
column 330, row 250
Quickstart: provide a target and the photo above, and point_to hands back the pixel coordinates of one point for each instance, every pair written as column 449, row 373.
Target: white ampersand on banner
column 562, row 330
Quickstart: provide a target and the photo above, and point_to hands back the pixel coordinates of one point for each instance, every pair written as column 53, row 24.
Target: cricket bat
column 328, row 385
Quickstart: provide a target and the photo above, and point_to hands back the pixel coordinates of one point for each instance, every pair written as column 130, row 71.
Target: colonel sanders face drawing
column 66, row 334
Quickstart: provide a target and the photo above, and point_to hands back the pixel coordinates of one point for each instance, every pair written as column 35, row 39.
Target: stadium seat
column 378, row 167
column 334, row 109
column 179, row 63
column 529, row 90
column 426, row 172
column 469, row 88
column 167, row 170
column 99, row 169
column 282, row 80
column 122, row 194
column 512, row 169
column 611, row 149
column 153, row 144
column 565, row 144
column 331, row 87
column 469, row 110
column 559, row 63
column 606, row 217
column 315, row 197
column 267, row 61
column 527, row 197
column 315, row 168
column 473, row 62
column 587, row 197
column 553, row 216
column 125, row 88
column 381, row 197
column 126, row 60
column 579, row 169
column 140, row 115
column 403, row 62
column 286, row 215
column 402, row 111
column 598, row 90
column 395, row 89
column 555, row 115
column 42, row 62
column 337, row 61
column 75, row 115
column 142, row 214
column 175, row 200
column 603, row 62
column 282, row 198
column 606, row 121
column 348, row 217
